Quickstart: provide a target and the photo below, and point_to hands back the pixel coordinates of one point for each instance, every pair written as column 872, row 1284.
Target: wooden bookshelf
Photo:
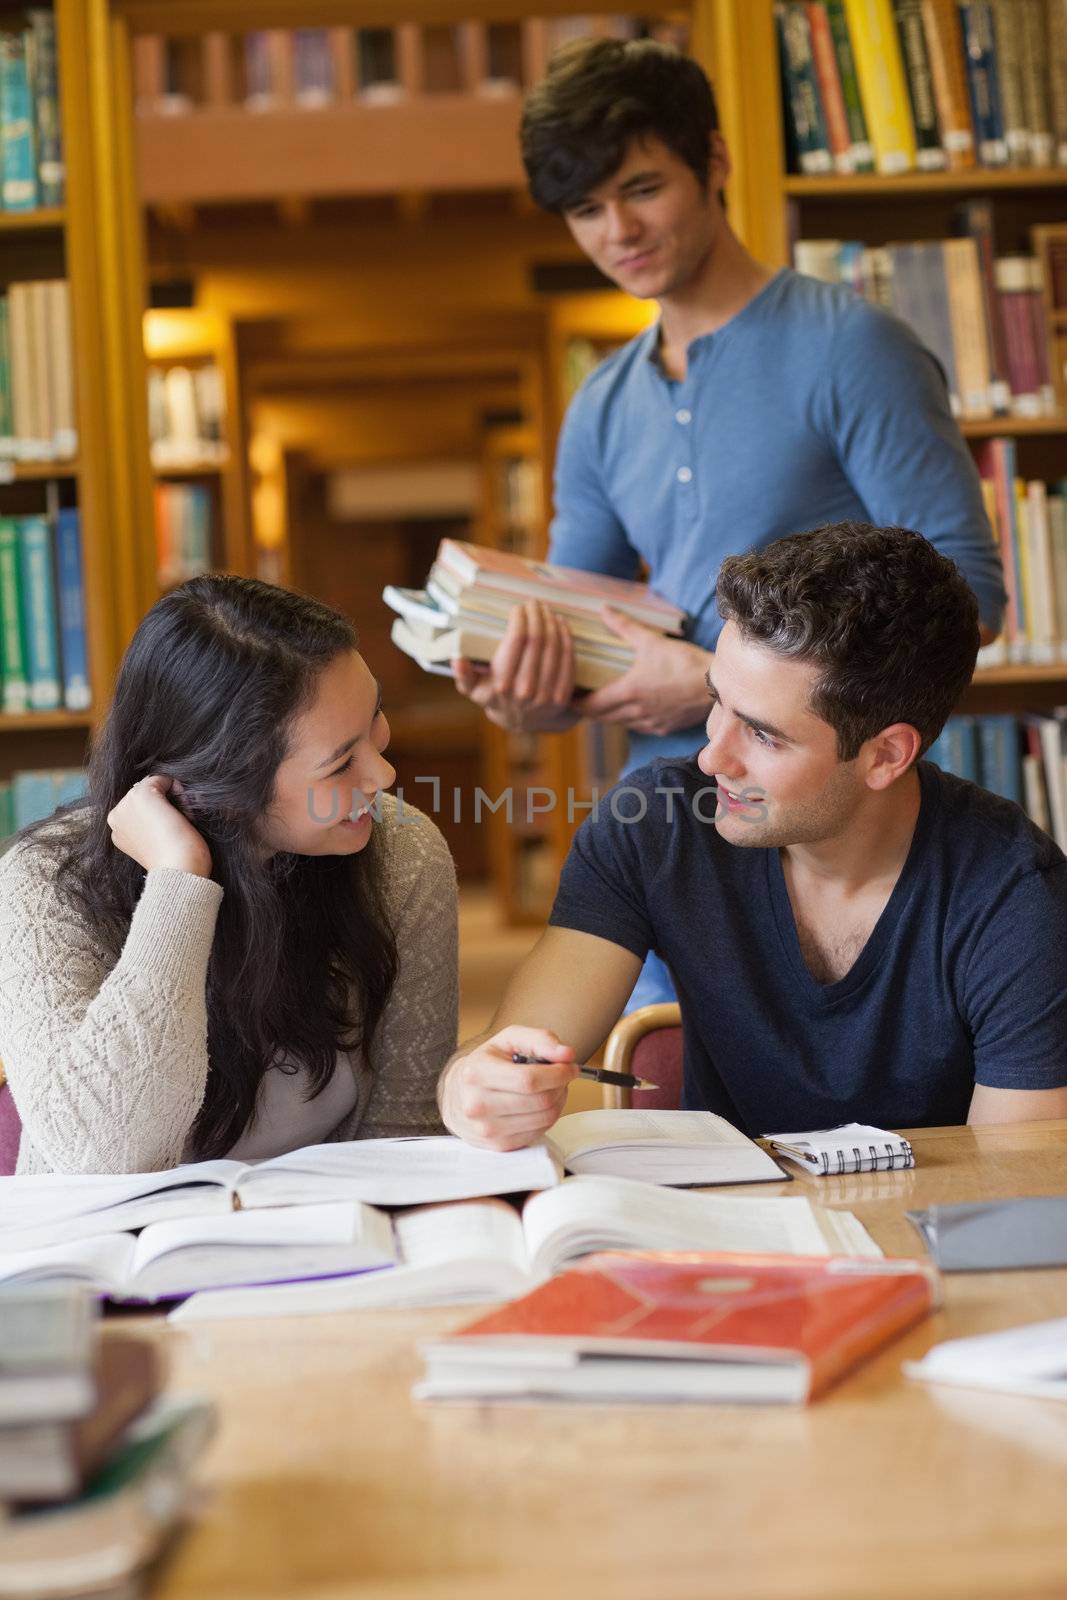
column 980, row 181
column 44, row 218
column 44, row 721
column 37, row 471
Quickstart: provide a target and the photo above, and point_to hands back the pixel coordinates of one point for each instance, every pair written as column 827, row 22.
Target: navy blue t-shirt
column 962, row 981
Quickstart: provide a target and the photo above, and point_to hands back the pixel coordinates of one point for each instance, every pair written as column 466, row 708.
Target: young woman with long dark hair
column 239, row 944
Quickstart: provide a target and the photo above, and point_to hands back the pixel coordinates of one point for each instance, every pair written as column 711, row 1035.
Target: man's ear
column 720, row 166
column 890, row 754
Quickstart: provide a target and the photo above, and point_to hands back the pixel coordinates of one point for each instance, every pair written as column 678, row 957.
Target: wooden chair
column 10, row 1128
column 648, row 1044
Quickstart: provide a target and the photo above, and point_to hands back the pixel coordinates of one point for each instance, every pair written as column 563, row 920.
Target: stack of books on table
column 472, row 590
column 94, row 1464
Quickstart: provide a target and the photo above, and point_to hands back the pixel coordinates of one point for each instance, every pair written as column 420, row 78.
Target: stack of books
column 472, row 590
column 94, row 1465
column 37, row 420
column 44, row 652
column 32, row 173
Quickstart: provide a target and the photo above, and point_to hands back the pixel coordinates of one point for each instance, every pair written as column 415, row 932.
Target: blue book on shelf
column 68, row 785
column 956, row 750
column 18, row 156
column 33, row 797
column 1002, row 770
column 39, row 613
column 70, row 597
column 980, row 58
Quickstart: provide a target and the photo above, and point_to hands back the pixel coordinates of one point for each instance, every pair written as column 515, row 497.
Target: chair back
column 10, row 1131
column 647, row 1043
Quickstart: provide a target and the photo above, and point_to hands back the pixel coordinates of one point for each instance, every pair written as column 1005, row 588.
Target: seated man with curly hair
column 853, row 933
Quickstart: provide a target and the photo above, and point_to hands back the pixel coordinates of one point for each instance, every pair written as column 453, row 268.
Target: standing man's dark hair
column 600, row 95
column 891, row 621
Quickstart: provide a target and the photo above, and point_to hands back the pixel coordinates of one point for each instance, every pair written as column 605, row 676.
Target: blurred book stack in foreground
column 94, row 1465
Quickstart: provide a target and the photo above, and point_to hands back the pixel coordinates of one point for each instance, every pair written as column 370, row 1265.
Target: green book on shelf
column 14, row 685
column 44, row 82
column 18, row 159
column 39, row 613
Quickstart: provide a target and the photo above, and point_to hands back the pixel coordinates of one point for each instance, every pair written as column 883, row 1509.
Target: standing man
column 760, row 403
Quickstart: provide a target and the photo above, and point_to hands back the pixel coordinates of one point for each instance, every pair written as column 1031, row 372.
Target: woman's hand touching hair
column 147, row 826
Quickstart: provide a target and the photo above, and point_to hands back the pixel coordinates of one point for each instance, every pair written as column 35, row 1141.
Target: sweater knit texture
column 108, row 1063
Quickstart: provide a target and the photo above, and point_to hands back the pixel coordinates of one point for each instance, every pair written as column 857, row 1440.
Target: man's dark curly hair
column 891, row 622
column 600, row 95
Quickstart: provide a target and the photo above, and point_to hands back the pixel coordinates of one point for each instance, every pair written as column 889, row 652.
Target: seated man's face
column 773, row 760
column 649, row 226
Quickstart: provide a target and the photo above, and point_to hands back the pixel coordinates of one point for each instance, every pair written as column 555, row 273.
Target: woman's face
column 335, row 768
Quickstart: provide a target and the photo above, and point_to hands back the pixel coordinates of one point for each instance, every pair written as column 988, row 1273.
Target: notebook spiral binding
column 887, row 1158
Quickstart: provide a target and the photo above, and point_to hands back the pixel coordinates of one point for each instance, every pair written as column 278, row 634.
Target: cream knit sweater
column 108, row 1064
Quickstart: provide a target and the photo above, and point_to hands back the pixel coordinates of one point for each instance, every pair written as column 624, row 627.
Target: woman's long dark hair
column 303, row 958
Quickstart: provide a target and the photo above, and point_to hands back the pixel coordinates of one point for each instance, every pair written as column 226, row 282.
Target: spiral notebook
column 851, row 1148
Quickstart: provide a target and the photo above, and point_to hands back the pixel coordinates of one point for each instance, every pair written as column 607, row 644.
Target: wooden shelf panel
column 428, row 144
column 43, row 721
column 35, row 471
column 992, row 677
column 994, row 427
column 912, row 183
column 189, row 17
column 33, row 221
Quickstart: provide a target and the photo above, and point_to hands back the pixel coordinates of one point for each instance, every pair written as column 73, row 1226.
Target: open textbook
column 661, row 1147
column 52, row 1207
column 487, row 1250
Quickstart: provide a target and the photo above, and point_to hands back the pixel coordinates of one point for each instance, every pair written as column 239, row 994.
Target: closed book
column 18, row 159
column 64, row 432
column 976, row 18
column 948, row 72
column 502, row 572
column 491, row 1250
column 862, row 149
column 39, row 612
column 51, row 1460
column 1056, row 507
column 102, row 1542
column 70, row 595
column 970, row 341
column 44, row 80
column 16, row 688
column 995, row 459
column 831, row 94
column 973, row 219
column 46, row 1343
column 1034, row 70
column 27, row 446
column 872, row 28
column 683, row 1326
column 930, row 155
column 473, row 603
column 919, row 290
column 1013, row 286
column 1008, row 42
column 1041, row 578
column 591, row 670
column 806, row 133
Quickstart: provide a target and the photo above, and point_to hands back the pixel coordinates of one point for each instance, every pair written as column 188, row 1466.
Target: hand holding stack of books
column 471, row 591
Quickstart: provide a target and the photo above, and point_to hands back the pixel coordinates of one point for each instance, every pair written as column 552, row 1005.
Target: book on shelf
column 183, row 519
column 186, row 412
column 32, row 796
column 31, row 146
column 347, row 1254
column 1024, row 759
column 47, row 1208
column 46, row 1459
column 1025, row 1360
column 43, row 644
column 103, row 1541
column 984, row 318
column 683, row 1326
column 939, row 83
column 37, row 420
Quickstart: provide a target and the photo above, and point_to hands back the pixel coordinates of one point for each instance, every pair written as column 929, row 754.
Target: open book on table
column 488, row 1250
column 673, row 1147
column 51, row 1208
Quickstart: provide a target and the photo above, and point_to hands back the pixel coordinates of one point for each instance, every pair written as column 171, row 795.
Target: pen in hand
column 621, row 1080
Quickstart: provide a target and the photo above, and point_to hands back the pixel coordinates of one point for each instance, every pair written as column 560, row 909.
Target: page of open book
column 589, row 1213
column 589, row 1130
column 395, row 1172
column 47, row 1208
column 102, row 1262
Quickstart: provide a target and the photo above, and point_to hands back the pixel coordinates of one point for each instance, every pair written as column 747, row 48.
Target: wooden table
column 326, row 1480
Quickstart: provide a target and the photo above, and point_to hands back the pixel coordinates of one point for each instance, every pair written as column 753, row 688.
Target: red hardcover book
column 684, row 1326
column 830, row 90
column 518, row 578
